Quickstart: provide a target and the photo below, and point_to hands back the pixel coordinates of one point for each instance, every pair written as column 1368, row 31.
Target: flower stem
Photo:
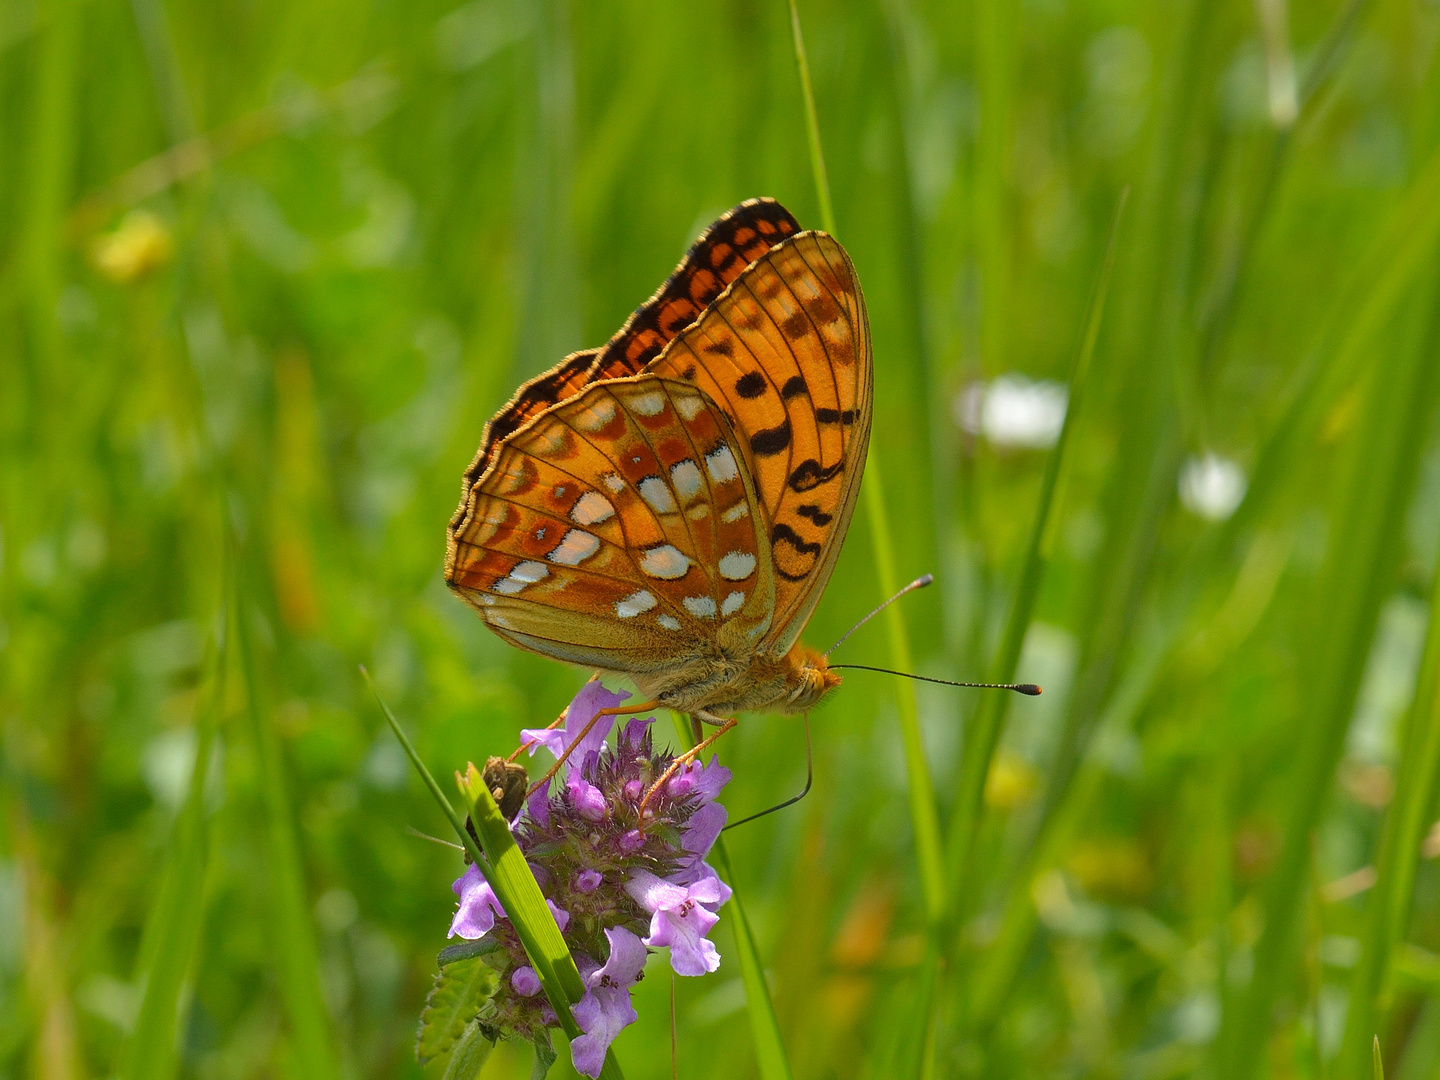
column 925, row 818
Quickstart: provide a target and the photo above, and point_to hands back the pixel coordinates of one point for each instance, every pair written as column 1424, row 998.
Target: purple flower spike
column 615, row 884
column 605, row 1010
column 525, row 981
column 679, row 918
column 478, row 907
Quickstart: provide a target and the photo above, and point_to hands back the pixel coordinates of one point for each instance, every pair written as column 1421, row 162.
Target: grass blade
column 173, row 926
column 925, row 818
column 296, row 956
column 984, row 734
column 764, row 1024
column 1369, row 518
column 1400, row 845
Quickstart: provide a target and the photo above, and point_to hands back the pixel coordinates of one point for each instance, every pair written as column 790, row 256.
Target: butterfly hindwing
column 785, row 352
column 618, row 529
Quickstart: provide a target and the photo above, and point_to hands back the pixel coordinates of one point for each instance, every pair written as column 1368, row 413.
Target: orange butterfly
column 670, row 506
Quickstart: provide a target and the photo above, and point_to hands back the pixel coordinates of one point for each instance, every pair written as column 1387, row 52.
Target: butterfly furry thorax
column 670, row 506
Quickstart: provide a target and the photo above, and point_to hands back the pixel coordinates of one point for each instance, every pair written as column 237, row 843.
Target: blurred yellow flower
column 1112, row 869
column 141, row 245
column 1011, row 783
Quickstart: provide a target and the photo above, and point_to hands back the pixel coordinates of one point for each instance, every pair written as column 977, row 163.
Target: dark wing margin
column 719, row 256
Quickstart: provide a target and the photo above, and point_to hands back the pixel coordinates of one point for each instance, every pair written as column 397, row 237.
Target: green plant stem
column 984, row 734
column 924, row 816
column 1353, row 583
column 764, row 1024
column 1400, row 845
column 172, row 929
column 296, row 956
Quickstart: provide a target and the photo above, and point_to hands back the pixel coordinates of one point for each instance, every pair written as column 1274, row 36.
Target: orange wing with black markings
column 717, row 258
column 785, row 352
column 620, row 529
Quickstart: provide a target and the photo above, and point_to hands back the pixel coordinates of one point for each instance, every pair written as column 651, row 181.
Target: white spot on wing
column 685, row 475
column 737, row 565
column 613, row 482
column 634, row 604
column 651, row 403
column 577, row 546
column 721, row 464
column 665, row 562
column 591, row 509
column 733, row 603
column 702, row 607
column 669, row 622
column 596, row 416
column 688, row 405
column 657, row 493
column 735, row 513
column 527, row 573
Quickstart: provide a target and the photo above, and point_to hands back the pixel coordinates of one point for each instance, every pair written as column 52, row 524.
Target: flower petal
column 478, row 906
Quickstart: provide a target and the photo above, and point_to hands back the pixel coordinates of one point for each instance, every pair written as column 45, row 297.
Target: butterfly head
column 808, row 678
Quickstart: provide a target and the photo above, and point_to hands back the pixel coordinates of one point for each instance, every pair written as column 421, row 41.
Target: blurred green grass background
column 266, row 270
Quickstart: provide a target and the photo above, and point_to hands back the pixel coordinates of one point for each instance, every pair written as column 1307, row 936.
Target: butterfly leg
column 618, row 710
column 723, row 725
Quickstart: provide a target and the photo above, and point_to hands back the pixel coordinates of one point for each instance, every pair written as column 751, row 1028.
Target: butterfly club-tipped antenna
column 919, row 583
column 1029, row 689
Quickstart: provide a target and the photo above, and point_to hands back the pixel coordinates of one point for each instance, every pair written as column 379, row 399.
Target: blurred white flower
column 1013, row 411
column 1212, row 487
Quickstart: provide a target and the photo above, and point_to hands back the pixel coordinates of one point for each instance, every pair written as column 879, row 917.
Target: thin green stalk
column 296, row 956
column 812, row 125
column 764, row 1024
column 173, row 926
column 925, row 818
column 984, row 733
column 1382, row 465
column 1400, row 846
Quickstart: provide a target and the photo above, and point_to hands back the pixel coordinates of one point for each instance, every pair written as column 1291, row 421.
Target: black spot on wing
column 750, row 385
column 784, row 534
column 835, row 416
column 794, row 387
column 771, row 441
column 814, row 513
column 724, row 347
column 809, row 474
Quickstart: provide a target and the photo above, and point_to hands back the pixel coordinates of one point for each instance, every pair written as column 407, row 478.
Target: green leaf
column 470, row 1054
column 519, row 894
column 460, row 989
column 1377, row 1064
column 465, row 949
column 764, row 1024
column 172, row 928
column 544, row 1058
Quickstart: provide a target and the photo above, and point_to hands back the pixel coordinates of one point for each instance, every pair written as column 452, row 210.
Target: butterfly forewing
column 785, row 352
column 717, row 258
column 619, row 529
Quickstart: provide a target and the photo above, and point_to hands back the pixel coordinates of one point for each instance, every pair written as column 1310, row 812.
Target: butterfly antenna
column 809, row 779
column 919, row 583
column 1028, row 688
